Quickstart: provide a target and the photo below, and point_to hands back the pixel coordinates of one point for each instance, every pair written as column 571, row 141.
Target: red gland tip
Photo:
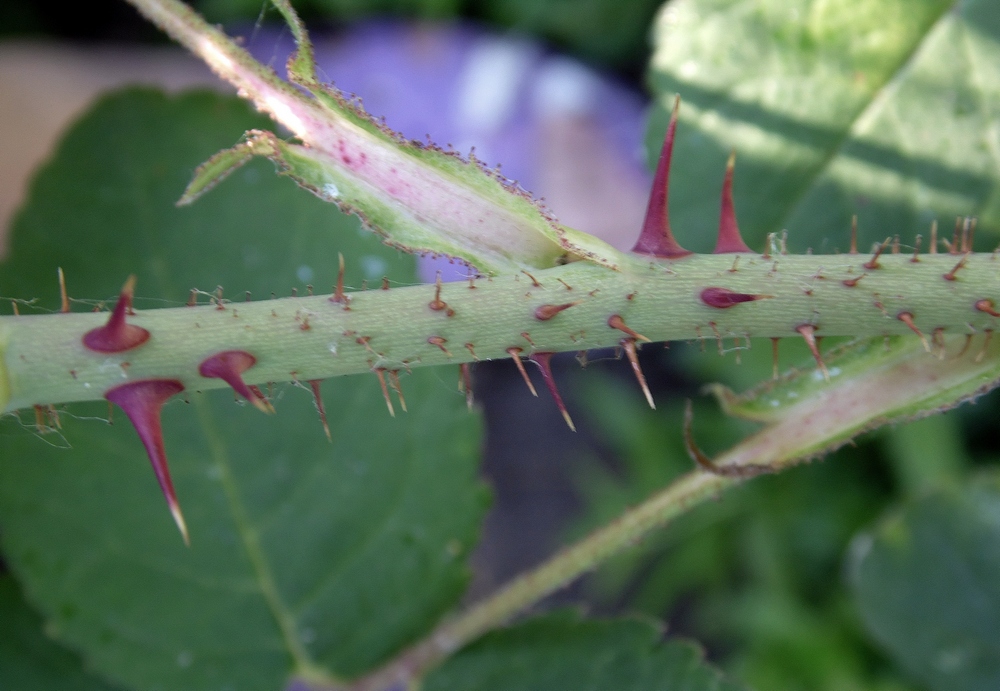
column 544, row 362
column 656, row 238
column 142, row 402
column 117, row 335
column 723, row 298
column 729, row 239
column 229, row 366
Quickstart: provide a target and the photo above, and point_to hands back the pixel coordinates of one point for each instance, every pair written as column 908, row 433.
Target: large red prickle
column 723, row 298
column 142, row 402
column 729, row 239
column 656, row 238
column 117, row 335
column 544, row 362
column 229, row 366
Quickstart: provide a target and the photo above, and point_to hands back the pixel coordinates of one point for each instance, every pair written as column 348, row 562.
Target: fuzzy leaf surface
column 29, row 660
column 927, row 581
column 882, row 108
column 305, row 556
column 563, row 653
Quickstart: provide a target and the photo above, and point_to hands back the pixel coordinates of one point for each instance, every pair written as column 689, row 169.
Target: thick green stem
column 314, row 338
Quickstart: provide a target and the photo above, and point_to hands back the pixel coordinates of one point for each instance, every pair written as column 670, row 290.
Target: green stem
column 313, row 338
column 560, row 570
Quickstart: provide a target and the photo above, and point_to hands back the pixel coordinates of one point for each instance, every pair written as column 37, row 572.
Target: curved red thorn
column 228, row 366
column 314, row 385
column 656, row 238
column 544, row 362
column 142, row 402
column 117, row 335
column 872, row 263
column 729, row 239
column 723, row 298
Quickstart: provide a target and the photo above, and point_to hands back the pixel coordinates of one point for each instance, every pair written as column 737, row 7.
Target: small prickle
column 465, row 383
column 515, row 354
column 544, row 362
column 380, row 373
column 615, row 321
column 546, row 312
column 229, row 366
column 633, row 357
column 907, row 318
column 117, row 335
column 988, row 307
column 142, row 402
column 808, row 332
column 318, row 400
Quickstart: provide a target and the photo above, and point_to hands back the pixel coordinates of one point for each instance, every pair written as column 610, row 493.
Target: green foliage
column 28, row 660
column 879, row 108
column 305, row 556
column 927, row 580
column 561, row 651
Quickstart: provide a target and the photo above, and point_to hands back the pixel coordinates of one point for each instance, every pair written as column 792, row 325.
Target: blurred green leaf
column 304, row 554
column 882, row 108
column 28, row 660
column 927, row 582
column 560, row 652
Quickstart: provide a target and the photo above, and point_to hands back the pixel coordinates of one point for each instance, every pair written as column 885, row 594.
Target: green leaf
column 28, row 660
column 561, row 652
column 882, row 108
column 927, row 581
column 307, row 558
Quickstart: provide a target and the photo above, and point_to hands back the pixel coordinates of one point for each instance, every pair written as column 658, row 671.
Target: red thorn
column 729, row 239
column 808, row 332
column 380, row 373
column 465, row 383
column 63, row 297
column 318, row 399
column 515, row 354
column 853, row 282
column 228, row 366
column 916, row 250
column 633, row 357
column 544, row 362
column 142, row 402
column 723, row 298
column 394, row 383
column 472, row 350
column 872, row 263
column 41, row 425
column 988, row 307
column 934, row 237
column 656, row 238
column 854, row 235
column 534, row 281
column 385, row 283
column 907, row 318
column 953, row 274
column 955, row 236
column 338, row 294
column 615, row 321
column 546, row 312
column 439, row 342
column 117, row 336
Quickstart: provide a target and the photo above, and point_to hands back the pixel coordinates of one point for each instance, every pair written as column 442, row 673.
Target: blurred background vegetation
column 761, row 576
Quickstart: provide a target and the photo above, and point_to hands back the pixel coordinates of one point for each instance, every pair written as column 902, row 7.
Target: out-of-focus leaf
column 305, row 556
column 28, row 660
column 562, row 653
column 887, row 109
column 927, row 581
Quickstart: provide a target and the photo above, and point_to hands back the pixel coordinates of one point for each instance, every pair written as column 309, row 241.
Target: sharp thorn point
column 515, row 354
column 808, row 332
column 633, row 358
column 544, row 362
